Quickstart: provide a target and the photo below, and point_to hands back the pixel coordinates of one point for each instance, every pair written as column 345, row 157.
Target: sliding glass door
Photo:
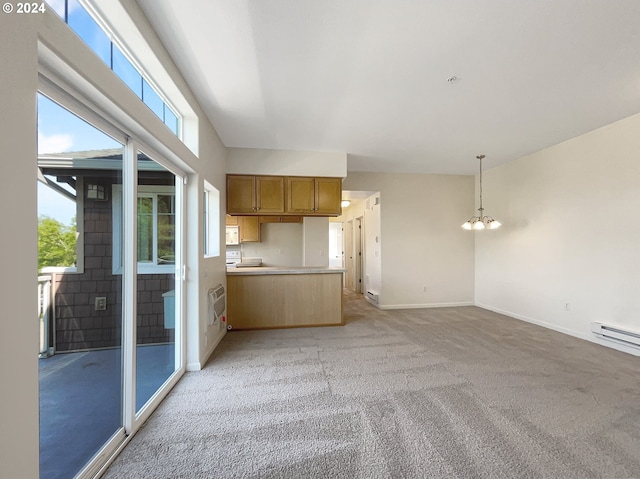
column 157, row 250
column 109, row 285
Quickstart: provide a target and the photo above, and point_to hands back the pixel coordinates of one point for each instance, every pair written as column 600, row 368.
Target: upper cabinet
column 289, row 195
column 314, row 196
column 255, row 194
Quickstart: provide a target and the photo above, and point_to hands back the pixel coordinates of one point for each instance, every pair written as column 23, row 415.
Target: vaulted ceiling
column 406, row 85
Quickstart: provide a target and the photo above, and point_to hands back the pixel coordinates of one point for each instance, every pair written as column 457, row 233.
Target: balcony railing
column 45, row 312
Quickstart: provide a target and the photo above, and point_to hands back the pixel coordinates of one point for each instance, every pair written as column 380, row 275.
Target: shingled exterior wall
column 78, row 325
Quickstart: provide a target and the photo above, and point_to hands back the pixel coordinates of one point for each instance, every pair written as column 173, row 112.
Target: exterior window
column 81, row 22
column 156, row 229
column 89, row 31
column 122, row 67
column 211, row 221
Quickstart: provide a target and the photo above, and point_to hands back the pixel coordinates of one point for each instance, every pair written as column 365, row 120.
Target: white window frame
column 148, row 191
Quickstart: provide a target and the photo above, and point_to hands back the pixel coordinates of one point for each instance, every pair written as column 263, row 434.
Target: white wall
column 422, row 241
column 571, row 233
column 248, row 161
column 372, row 239
column 315, row 241
column 280, row 245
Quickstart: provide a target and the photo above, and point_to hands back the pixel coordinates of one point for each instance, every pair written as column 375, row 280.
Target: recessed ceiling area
column 374, row 78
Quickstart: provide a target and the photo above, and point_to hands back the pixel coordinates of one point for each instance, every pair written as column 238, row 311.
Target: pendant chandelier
column 481, row 221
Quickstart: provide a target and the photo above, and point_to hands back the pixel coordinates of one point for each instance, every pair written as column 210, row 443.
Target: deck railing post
column 45, row 308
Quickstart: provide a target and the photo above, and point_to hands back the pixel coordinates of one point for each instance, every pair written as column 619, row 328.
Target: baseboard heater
column 629, row 338
column 372, row 296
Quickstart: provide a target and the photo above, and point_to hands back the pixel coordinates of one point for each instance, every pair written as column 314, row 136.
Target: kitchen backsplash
column 281, row 245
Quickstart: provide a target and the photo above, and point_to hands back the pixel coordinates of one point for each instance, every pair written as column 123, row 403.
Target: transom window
column 100, row 41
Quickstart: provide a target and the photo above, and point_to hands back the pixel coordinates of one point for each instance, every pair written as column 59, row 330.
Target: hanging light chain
column 481, row 209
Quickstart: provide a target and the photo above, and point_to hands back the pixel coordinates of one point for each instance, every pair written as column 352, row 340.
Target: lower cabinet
column 281, row 300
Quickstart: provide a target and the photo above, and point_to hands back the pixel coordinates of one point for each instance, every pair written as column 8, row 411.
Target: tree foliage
column 56, row 243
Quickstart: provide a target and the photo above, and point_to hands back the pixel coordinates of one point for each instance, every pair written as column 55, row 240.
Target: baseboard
column 587, row 337
column 194, row 367
column 422, row 306
column 198, row 366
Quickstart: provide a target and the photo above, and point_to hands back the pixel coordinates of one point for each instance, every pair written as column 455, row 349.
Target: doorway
column 336, row 245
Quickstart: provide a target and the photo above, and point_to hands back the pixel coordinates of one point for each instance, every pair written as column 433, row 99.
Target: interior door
column 357, row 230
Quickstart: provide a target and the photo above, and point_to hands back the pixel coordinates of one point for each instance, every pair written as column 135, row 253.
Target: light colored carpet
column 431, row 393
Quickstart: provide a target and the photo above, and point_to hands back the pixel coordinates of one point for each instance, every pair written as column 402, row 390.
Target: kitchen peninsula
column 279, row 297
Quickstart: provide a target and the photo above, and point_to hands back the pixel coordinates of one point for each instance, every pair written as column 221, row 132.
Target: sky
column 60, row 131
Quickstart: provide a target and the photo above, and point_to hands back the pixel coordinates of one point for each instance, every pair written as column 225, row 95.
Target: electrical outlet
column 567, row 306
column 424, row 289
column 101, row 303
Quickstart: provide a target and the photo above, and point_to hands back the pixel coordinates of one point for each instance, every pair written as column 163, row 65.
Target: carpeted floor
column 431, row 393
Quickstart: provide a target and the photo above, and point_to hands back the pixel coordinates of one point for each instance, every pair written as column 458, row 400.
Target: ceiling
column 370, row 77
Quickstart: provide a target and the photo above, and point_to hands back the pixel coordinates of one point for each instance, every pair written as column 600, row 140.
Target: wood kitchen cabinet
column 281, row 219
column 281, row 299
column 249, row 195
column 249, row 229
column 310, row 196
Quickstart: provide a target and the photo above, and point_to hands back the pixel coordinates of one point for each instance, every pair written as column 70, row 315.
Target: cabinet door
column 231, row 220
column 290, row 219
column 300, row 194
column 270, row 194
column 328, row 195
column 249, row 227
column 241, row 194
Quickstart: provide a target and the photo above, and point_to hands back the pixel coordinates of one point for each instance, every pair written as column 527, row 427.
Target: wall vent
column 217, row 305
column 613, row 333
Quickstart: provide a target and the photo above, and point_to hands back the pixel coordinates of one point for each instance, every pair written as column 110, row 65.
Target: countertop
column 283, row 270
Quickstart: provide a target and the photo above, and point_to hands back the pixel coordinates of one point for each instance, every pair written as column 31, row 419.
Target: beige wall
column 570, row 233
column 422, row 243
column 250, row 161
column 280, row 245
column 315, row 241
column 19, row 338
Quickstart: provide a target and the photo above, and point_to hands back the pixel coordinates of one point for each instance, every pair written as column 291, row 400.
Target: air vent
column 217, row 305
